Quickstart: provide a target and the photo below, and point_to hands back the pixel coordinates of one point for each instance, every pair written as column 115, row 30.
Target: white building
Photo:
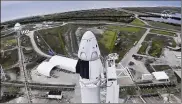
column 147, row 77
column 17, row 26
column 160, row 76
column 57, row 61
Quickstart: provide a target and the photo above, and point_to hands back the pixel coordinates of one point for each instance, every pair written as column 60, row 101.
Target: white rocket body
column 90, row 68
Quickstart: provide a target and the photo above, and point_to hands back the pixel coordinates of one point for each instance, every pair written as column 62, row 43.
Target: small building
column 147, row 77
column 55, row 94
column 160, row 76
column 57, row 61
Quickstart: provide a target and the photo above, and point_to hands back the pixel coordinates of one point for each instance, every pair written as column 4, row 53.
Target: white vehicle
column 55, row 94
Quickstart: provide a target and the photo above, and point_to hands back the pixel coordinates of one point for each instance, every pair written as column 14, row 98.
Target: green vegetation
column 32, row 57
column 156, row 48
column 54, row 37
column 127, row 29
column 127, row 37
column 148, row 91
column 108, row 40
column 9, row 58
column 62, row 44
column 137, row 22
column 25, row 41
column 8, row 42
column 161, row 67
column 162, row 32
column 124, row 91
column 158, row 43
column 13, row 90
column 143, row 48
column 106, row 14
column 40, row 42
column 173, row 43
column 119, row 39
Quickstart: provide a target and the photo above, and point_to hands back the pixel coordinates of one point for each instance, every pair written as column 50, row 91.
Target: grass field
column 164, row 25
column 54, row 38
column 13, row 90
column 25, row 41
column 9, row 58
column 161, row 67
column 62, row 43
column 127, row 37
column 162, row 32
column 8, row 42
column 156, row 48
column 137, row 22
column 148, row 91
column 108, row 40
column 158, row 43
column 124, row 91
column 143, row 48
column 128, row 29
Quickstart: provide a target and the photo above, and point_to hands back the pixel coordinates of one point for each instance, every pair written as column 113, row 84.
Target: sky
column 18, row 9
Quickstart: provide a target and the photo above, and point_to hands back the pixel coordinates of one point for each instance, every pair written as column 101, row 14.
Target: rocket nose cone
column 88, row 35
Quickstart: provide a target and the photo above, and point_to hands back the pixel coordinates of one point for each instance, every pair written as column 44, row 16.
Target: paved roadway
column 146, row 23
column 11, row 31
column 40, row 86
column 35, row 47
column 126, row 59
column 151, row 57
column 10, row 49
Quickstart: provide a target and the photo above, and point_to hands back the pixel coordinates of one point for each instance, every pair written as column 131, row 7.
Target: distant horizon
column 10, row 9
column 71, row 11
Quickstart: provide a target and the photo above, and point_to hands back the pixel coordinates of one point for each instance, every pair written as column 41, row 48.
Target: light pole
column 3, row 76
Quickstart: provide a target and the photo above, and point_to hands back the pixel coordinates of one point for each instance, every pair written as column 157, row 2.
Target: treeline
column 94, row 14
column 125, row 19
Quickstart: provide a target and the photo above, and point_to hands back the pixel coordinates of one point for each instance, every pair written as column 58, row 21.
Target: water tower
column 17, row 27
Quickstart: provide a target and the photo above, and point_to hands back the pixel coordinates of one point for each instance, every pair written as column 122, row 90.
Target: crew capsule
column 88, row 49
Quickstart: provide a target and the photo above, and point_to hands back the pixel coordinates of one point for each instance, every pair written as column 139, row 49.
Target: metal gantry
column 23, row 68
